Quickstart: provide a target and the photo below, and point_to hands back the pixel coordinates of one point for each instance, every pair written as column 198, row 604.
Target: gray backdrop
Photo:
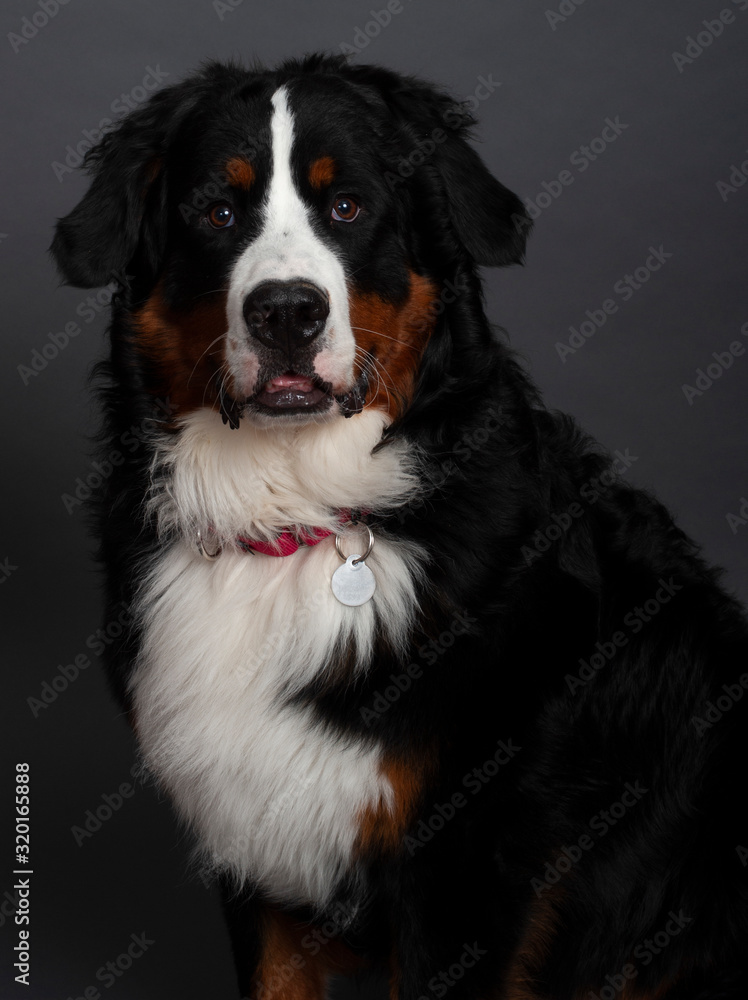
column 669, row 174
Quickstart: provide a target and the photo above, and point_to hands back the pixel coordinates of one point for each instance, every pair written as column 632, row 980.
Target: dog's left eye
column 221, row 215
column 345, row 209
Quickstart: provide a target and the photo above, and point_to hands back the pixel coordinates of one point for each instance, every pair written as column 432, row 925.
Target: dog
column 441, row 696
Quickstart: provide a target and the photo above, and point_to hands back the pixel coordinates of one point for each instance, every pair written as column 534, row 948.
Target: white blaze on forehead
column 288, row 248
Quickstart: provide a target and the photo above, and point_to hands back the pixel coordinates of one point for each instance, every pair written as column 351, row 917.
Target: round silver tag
column 353, row 583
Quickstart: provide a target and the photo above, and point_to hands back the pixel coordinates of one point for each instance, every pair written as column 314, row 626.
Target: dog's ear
column 122, row 215
column 489, row 220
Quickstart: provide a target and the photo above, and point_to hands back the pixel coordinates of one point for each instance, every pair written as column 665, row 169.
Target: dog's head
column 291, row 238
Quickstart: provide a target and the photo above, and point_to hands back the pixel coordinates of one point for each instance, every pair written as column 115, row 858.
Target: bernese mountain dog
column 442, row 697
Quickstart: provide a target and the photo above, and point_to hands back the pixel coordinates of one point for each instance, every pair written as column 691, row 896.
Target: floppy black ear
column 489, row 220
column 123, row 213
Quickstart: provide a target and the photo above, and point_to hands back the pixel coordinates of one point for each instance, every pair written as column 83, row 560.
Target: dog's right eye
column 345, row 209
column 221, row 215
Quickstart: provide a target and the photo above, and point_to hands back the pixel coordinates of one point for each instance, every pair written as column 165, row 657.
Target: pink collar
column 289, row 541
column 286, row 543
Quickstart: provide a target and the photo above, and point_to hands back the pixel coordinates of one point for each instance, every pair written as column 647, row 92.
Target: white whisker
column 378, row 333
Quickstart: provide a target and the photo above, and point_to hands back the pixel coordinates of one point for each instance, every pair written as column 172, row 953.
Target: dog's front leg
column 280, row 954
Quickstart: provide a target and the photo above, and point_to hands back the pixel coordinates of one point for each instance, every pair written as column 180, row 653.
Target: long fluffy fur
column 317, row 749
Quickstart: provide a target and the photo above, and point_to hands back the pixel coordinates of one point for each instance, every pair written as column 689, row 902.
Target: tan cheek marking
column 186, row 347
column 240, row 172
column 397, row 336
column 322, row 172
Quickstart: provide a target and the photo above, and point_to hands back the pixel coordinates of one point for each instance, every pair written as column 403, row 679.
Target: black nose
column 286, row 314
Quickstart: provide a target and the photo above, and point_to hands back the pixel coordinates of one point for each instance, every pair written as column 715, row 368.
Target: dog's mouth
column 292, row 391
column 295, row 395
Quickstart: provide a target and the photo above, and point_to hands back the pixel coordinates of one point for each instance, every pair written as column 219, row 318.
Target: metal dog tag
column 353, row 583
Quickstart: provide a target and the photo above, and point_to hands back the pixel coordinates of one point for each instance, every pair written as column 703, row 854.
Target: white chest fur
column 272, row 795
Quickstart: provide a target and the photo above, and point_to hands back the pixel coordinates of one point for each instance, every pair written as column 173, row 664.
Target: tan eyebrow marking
column 322, row 172
column 240, row 172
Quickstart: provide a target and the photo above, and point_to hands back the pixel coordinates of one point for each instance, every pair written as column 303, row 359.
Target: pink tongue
column 298, row 382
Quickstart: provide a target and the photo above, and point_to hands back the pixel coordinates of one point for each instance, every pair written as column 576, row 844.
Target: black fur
column 540, row 558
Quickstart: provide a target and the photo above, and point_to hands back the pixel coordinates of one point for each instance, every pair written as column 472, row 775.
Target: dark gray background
column 655, row 185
